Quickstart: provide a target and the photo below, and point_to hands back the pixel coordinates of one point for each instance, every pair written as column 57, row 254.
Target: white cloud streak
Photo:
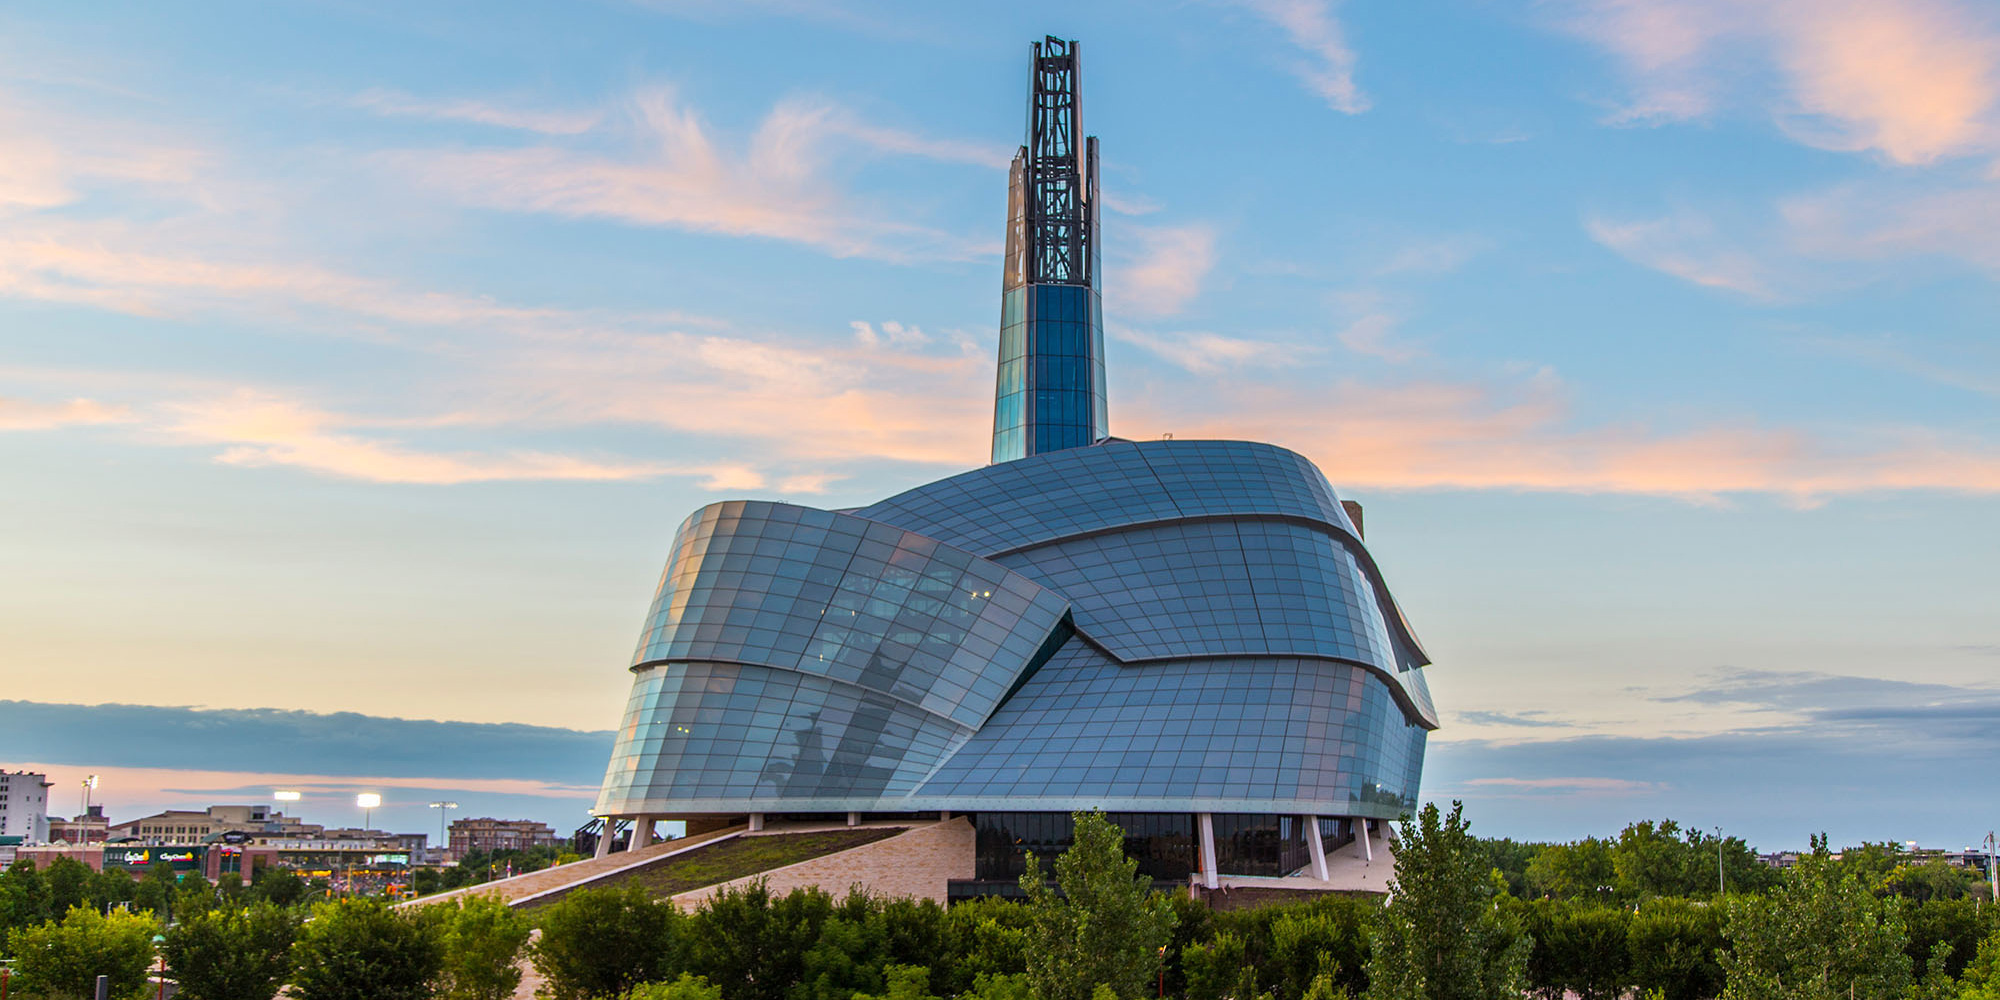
column 1324, row 63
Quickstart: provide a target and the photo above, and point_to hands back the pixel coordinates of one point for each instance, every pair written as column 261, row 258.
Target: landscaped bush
column 603, row 942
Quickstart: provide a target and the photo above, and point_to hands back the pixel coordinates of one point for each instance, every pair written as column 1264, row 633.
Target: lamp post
column 444, row 846
column 367, row 801
column 1721, row 883
column 89, row 784
column 1992, row 870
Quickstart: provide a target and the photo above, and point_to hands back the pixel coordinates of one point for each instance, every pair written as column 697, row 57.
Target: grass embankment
column 736, row 858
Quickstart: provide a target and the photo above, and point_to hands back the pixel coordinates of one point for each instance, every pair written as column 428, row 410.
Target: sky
column 358, row 361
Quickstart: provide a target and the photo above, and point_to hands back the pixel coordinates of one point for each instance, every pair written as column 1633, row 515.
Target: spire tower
column 1050, row 391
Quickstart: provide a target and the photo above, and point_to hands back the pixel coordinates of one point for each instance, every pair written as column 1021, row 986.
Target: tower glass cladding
column 1190, row 635
column 1049, row 393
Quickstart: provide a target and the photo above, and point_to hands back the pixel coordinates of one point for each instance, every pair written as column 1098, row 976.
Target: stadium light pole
column 444, row 846
column 367, row 801
column 89, row 784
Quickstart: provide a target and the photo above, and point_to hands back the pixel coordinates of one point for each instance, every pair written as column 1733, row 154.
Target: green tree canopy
column 360, row 949
column 1441, row 937
column 1105, row 926
column 232, row 953
column 1821, row 935
column 63, row 960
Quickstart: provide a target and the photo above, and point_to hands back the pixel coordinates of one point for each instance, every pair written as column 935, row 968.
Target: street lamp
column 1721, row 884
column 443, row 808
column 1992, row 870
column 367, row 801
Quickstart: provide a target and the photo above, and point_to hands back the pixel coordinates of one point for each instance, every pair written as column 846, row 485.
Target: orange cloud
column 680, row 178
column 28, row 415
column 1916, row 80
column 1433, row 435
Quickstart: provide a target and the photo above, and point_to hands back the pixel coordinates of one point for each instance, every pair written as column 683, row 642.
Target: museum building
column 1188, row 635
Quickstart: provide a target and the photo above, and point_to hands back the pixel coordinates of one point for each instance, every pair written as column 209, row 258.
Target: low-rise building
column 24, row 806
column 189, row 826
column 488, row 834
column 89, row 827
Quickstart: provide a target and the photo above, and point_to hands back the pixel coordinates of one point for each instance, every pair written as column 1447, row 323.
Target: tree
column 1981, row 978
column 482, row 938
column 1934, row 879
column 753, row 946
column 1960, row 923
column 155, row 891
column 278, row 886
column 193, row 897
column 24, row 897
column 1673, row 945
column 1511, row 860
column 603, row 942
column 63, row 960
column 68, row 882
column 232, row 954
column 1652, row 860
column 107, row 889
column 1105, row 927
column 1582, row 870
column 685, row 988
column 1441, row 937
column 981, row 938
column 1821, row 934
column 360, row 949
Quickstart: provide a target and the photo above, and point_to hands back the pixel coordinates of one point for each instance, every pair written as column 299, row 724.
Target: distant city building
column 24, row 806
column 89, row 828
column 488, row 834
column 188, row 826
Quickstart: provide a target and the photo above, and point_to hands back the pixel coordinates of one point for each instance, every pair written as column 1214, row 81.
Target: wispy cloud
column 1518, row 435
column 1915, row 80
column 1324, row 63
column 678, row 176
column 396, row 104
column 1687, row 246
column 1163, row 271
column 1375, row 335
column 30, row 415
column 1205, row 353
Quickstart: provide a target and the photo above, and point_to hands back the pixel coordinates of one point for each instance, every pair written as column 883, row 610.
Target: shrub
column 232, row 954
column 981, row 939
column 752, row 945
column 687, row 987
column 1673, row 944
column 482, row 937
column 61, row 961
column 1579, row 949
column 360, row 949
column 603, row 942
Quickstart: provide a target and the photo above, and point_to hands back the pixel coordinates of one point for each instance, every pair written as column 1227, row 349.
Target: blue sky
column 356, row 358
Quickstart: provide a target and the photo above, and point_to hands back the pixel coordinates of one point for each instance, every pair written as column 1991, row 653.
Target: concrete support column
column 944, row 815
column 1318, row 848
column 642, row 833
column 1210, row 878
column 854, row 819
column 604, row 838
column 1367, row 839
column 756, row 822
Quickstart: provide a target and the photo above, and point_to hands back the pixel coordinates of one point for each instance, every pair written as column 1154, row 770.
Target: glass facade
column 1049, row 394
column 1163, row 843
column 1261, row 845
column 1091, row 628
